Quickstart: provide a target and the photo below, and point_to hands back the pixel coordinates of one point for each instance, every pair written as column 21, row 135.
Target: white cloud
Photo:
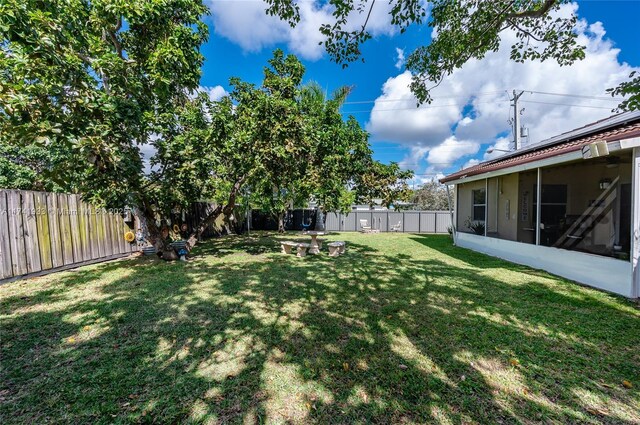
column 215, row 93
column 395, row 117
column 501, row 145
column 412, row 160
column 471, row 163
column 245, row 23
column 401, row 59
column 472, row 105
column 450, row 150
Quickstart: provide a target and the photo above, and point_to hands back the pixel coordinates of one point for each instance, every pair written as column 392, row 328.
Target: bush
column 476, row 227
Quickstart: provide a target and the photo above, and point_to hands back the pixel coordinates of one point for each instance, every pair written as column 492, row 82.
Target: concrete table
column 315, row 247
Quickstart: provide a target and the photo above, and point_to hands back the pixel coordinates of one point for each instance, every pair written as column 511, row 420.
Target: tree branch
column 364, row 26
column 546, row 7
column 114, row 38
column 526, row 32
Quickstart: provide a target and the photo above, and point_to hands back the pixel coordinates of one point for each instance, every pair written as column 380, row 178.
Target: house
column 569, row 205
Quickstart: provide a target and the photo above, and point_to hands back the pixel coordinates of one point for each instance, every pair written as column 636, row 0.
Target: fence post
column 435, row 221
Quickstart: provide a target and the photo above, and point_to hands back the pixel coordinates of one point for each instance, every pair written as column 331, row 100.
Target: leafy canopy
column 463, row 30
column 431, row 196
column 84, row 82
column 287, row 144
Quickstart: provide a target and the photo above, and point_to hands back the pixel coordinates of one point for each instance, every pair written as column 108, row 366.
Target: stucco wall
column 503, row 191
column 465, row 202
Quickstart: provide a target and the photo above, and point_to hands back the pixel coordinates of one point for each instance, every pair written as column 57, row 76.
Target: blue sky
column 471, row 108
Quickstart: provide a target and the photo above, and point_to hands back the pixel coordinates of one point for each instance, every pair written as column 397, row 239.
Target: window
column 479, row 203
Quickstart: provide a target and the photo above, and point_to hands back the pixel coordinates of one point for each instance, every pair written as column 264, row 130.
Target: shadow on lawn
column 366, row 337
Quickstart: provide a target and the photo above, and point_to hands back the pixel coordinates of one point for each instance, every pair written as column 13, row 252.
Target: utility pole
column 516, row 119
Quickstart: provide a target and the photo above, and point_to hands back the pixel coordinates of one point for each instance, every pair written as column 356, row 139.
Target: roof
column 617, row 127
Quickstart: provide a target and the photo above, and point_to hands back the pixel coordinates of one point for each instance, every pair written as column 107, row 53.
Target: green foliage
column 23, row 167
column 385, row 182
column 85, row 85
column 340, row 149
column 476, row 226
column 289, row 144
column 464, row 30
column 471, row 29
column 87, row 79
column 431, row 196
column 629, row 89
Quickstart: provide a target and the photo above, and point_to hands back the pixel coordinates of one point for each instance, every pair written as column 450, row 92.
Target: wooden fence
column 42, row 231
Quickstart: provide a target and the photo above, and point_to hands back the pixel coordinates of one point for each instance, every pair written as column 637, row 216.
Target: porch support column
column 538, row 205
column 635, row 226
column 486, row 205
column 453, row 222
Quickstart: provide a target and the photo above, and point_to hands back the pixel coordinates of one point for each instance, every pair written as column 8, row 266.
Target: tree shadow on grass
column 375, row 335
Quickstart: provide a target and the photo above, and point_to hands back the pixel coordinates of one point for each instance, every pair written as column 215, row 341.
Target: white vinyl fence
column 410, row 221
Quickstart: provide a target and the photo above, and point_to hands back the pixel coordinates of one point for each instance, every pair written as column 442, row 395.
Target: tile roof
column 560, row 145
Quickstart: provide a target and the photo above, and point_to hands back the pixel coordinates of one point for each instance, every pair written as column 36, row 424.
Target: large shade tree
column 284, row 144
column 85, row 84
column 465, row 30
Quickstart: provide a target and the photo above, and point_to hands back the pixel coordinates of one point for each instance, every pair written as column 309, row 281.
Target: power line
column 566, row 104
column 359, row 102
column 419, row 107
column 581, row 96
column 476, row 103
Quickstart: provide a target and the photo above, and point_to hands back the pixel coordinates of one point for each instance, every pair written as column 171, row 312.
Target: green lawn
column 401, row 329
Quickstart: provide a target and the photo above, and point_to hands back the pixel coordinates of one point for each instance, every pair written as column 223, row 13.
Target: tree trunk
column 148, row 225
column 208, row 220
column 213, row 215
column 281, row 222
column 156, row 236
column 319, row 220
column 230, row 224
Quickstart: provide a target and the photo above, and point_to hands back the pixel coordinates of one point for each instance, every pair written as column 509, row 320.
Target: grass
column 401, row 329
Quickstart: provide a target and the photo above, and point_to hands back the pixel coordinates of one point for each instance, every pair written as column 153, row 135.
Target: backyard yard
column 402, row 328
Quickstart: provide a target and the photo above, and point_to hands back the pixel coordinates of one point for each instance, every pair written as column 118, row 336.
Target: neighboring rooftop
column 617, row 127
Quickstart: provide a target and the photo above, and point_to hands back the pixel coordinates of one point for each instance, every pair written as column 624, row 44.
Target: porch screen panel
column 586, row 206
column 524, row 207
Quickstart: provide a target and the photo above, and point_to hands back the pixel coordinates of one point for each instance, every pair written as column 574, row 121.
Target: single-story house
column 569, row 205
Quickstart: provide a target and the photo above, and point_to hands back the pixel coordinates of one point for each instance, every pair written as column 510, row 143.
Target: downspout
column 453, row 224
